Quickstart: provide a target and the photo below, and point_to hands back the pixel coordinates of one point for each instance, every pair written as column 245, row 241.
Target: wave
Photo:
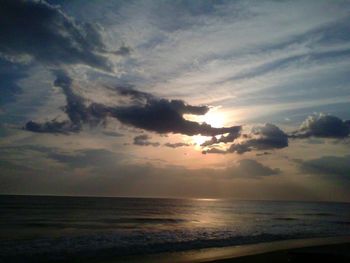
column 96, row 224
column 286, row 218
column 342, row 222
column 317, row 214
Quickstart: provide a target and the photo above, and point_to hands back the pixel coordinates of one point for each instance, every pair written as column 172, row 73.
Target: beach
column 330, row 249
column 326, row 253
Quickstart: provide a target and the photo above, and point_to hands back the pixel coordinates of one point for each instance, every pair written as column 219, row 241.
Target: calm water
column 56, row 226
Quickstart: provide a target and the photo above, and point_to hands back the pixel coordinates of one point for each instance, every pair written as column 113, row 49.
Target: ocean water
column 54, row 228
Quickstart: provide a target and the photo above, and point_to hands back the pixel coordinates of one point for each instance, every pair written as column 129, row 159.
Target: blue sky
column 117, row 93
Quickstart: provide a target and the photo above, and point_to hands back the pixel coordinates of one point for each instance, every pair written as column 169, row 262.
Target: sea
column 52, row 228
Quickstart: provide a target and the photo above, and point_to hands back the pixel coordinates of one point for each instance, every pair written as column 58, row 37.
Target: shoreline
column 325, row 249
column 247, row 253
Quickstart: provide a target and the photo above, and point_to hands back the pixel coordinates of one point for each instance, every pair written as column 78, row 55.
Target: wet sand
column 331, row 249
column 339, row 253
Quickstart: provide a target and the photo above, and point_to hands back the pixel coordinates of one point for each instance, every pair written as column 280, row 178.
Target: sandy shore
column 332, row 249
column 339, row 253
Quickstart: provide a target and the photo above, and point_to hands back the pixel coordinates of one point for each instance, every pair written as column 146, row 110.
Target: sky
column 186, row 99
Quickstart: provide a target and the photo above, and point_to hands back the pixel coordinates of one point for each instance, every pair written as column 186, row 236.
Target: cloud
column 46, row 33
column 95, row 158
column 212, row 141
column 29, row 169
column 166, row 116
column 176, row 145
column 240, row 148
column 265, row 137
column 112, row 134
column 143, row 140
column 214, row 150
column 10, row 74
column 76, row 110
column 331, row 166
column 230, row 137
column 262, row 154
column 52, row 127
column 144, row 111
column 270, row 136
column 250, row 168
column 324, row 126
column 123, row 51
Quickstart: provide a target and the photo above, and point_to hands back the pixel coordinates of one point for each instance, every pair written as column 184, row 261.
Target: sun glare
column 214, row 118
column 199, row 139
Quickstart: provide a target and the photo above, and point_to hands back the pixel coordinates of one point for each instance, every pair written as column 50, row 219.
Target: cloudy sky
column 214, row 99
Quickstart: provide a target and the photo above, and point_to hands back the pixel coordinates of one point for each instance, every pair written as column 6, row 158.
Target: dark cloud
column 75, row 109
column 264, row 137
column 331, row 166
column 234, row 134
column 214, row 150
column 325, row 126
column 176, row 145
column 230, row 137
column 166, row 116
column 145, row 112
column 52, row 127
column 263, row 153
column 135, row 96
column 240, row 148
column 210, row 142
column 143, row 140
column 46, row 33
column 123, row 51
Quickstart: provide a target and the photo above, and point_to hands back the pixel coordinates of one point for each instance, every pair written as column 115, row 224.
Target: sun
column 214, row 118
column 199, row 139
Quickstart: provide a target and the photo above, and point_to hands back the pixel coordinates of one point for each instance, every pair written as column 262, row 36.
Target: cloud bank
column 253, row 169
column 330, row 166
